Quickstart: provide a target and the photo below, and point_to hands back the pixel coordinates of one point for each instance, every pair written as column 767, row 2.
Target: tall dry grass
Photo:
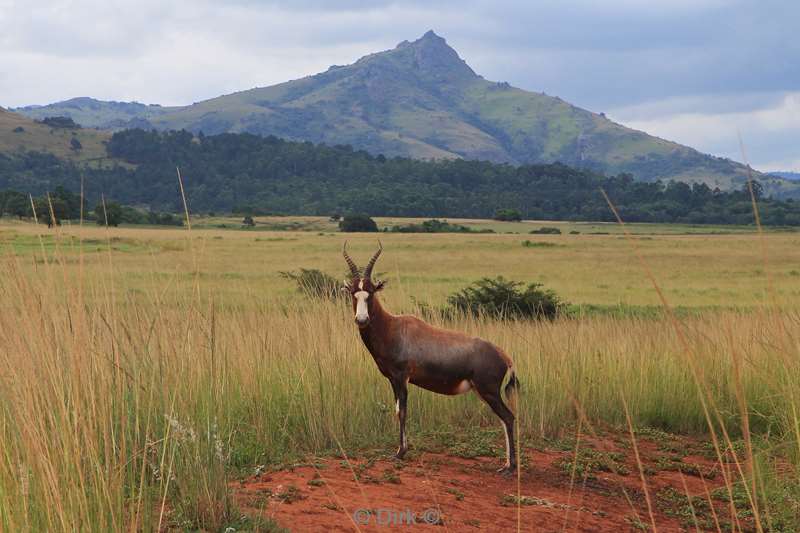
column 132, row 413
column 133, row 410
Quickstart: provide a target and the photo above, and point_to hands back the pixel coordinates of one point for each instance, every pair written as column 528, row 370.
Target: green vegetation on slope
column 19, row 134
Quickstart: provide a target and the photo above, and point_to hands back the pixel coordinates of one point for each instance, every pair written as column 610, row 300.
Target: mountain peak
column 431, row 40
column 428, row 38
column 431, row 35
column 432, row 56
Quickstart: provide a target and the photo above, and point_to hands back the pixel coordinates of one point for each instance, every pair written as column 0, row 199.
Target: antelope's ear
column 380, row 285
column 345, row 287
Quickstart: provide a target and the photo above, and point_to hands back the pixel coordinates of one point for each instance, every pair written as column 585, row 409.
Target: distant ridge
column 794, row 176
column 91, row 113
column 422, row 100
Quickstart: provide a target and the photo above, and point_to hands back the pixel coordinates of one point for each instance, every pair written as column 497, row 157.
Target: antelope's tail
column 512, row 390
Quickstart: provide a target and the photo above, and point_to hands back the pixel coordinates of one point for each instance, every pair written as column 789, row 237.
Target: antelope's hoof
column 400, row 453
column 507, row 470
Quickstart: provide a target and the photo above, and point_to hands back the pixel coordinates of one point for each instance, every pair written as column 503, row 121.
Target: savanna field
column 174, row 379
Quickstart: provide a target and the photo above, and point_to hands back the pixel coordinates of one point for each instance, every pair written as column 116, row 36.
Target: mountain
column 422, row 100
column 794, row 176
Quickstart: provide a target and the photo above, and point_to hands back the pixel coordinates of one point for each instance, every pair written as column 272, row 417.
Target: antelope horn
column 368, row 269
column 353, row 268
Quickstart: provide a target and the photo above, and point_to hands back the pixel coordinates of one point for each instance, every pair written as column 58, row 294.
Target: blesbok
column 408, row 350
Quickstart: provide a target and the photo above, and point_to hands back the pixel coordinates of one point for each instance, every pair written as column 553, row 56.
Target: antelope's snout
column 362, row 314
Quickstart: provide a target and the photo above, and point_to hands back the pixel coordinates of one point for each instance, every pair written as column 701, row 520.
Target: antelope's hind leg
column 400, row 388
column 491, row 395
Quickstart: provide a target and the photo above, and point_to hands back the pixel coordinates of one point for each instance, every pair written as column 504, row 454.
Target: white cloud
column 771, row 132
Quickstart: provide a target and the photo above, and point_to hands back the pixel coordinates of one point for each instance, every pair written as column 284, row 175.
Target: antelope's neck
column 375, row 335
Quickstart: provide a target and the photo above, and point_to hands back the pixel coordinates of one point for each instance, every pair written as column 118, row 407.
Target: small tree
column 75, row 144
column 71, row 201
column 508, row 215
column 758, row 189
column 248, row 221
column 357, row 223
column 112, row 213
column 50, row 210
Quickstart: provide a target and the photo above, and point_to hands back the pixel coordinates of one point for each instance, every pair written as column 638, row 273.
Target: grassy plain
column 697, row 266
column 143, row 369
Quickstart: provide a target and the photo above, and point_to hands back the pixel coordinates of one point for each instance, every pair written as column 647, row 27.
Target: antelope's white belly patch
column 462, row 387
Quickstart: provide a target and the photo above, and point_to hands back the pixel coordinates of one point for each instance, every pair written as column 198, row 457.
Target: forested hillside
column 249, row 173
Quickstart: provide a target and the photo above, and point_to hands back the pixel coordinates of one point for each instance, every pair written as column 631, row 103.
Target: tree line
column 61, row 204
column 249, row 174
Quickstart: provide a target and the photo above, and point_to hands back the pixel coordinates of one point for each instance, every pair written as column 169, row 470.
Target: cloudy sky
column 695, row 71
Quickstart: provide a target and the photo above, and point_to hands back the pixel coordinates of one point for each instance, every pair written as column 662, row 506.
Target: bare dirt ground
column 601, row 492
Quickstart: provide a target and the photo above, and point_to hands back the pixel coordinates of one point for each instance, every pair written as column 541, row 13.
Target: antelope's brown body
column 432, row 358
column 408, row 350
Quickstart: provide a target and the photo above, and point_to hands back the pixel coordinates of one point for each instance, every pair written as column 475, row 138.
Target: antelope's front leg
column 400, row 388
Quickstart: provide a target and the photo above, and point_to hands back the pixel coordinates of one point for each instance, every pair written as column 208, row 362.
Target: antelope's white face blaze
column 362, row 313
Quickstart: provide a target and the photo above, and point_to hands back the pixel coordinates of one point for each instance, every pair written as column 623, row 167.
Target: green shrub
column 538, row 244
column 502, row 298
column 315, row 283
column 133, row 215
column 508, row 215
column 546, row 230
column 436, row 226
column 357, row 223
column 163, row 219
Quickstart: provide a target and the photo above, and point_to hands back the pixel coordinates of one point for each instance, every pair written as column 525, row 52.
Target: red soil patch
column 467, row 494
